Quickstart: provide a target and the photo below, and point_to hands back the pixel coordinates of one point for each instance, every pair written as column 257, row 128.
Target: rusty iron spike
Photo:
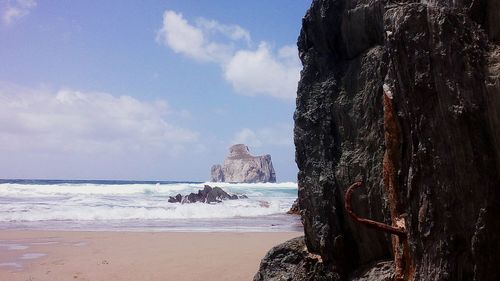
column 369, row 223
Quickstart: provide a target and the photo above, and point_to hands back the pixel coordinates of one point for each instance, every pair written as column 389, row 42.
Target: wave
column 101, row 202
column 254, row 185
column 63, row 212
column 123, row 189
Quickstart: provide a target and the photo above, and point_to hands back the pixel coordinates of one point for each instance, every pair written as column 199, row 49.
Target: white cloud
column 234, row 32
column 86, row 122
column 260, row 73
column 250, row 71
column 248, row 137
column 181, row 37
column 195, row 41
column 14, row 10
column 277, row 135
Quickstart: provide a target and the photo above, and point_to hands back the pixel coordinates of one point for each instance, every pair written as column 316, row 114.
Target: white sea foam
column 108, row 189
column 32, row 256
column 123, row 189
column 104, row 202
column 10, row 264
column 227, row 209
column 13, row 247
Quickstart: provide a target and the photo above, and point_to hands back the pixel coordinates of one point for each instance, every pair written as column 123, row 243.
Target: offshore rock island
column 241, row 166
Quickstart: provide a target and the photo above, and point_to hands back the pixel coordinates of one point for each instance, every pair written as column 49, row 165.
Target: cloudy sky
column 145, row 90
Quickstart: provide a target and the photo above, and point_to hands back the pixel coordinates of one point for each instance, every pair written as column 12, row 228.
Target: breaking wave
column 21, row 202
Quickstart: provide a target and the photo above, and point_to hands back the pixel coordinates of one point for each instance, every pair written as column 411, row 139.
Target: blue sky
column 145, row 90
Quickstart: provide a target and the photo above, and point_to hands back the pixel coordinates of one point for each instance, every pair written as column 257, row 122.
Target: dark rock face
column 206, row 195
column 449, row 181
column 291, row 261
column 339, row 131
column 438, row 63
column 176, row 199
column 295, row 209
column 378, row 271
column 241, row 166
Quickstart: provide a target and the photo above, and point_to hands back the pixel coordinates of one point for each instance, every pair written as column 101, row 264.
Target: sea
column 110, row 205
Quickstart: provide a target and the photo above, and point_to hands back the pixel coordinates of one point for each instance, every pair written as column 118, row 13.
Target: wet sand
column 106, row 256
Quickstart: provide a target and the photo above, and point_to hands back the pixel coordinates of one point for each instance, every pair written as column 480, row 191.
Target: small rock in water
column 207, row 195
column 176, row 199
column 294, row 210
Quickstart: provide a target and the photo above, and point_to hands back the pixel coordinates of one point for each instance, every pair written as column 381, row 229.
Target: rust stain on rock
column 392, row 157
column 404, row 269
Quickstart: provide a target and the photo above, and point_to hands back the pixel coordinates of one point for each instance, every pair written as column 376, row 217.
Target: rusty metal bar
column 369, row 223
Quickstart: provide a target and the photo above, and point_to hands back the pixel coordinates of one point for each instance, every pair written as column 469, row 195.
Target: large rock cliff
column 240, row 166
column 404, row 96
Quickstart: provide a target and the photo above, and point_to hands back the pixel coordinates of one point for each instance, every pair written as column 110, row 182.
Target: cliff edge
column 241, row 166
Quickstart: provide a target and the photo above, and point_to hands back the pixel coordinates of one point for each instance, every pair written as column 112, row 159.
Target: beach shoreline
column 38, row 255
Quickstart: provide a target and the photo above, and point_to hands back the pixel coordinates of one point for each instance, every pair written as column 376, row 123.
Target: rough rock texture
column 439, row 62
column 294, row 210
column 217, row 174
column 378, row 271
column 206, row 195
column 291, row 261
column 240, row 166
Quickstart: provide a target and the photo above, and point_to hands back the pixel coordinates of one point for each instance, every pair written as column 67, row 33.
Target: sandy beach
column 106, row 256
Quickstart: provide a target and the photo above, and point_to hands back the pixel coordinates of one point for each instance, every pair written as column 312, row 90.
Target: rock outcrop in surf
column 241, row 166
column 207, row 195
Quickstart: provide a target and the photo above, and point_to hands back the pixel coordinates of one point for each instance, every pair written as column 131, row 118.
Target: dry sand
column 107, row 256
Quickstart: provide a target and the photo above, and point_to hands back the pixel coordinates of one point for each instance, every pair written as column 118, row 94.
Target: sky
column 145, row 90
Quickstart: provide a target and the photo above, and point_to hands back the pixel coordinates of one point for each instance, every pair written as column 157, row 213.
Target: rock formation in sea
column 404, row 96
column 240, row 166
column 207, row 195
column 294, row 209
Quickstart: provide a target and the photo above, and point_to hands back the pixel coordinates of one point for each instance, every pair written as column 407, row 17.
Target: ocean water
column 142, row 206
